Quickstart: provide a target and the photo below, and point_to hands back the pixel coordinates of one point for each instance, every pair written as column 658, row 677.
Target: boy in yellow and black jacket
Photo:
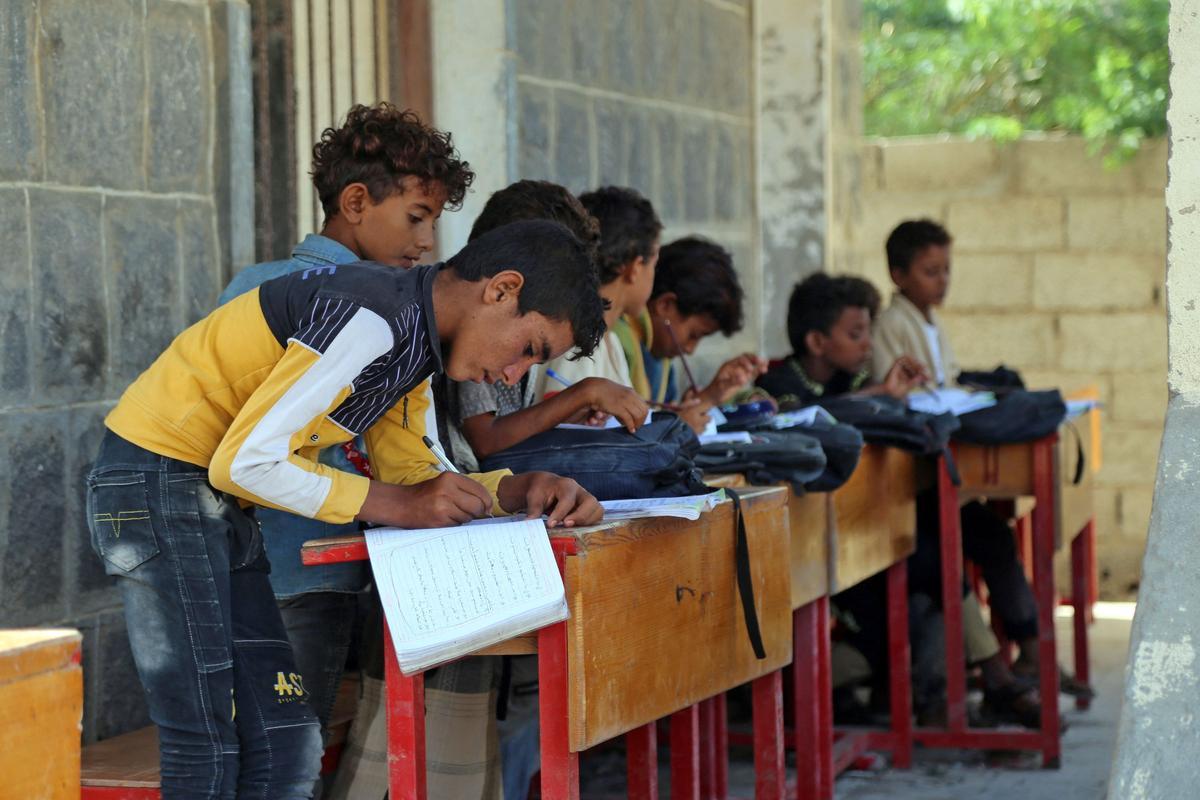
column 232, row 414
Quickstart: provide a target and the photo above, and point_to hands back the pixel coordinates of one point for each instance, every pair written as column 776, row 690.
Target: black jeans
column 320, row 626
column 206, row 634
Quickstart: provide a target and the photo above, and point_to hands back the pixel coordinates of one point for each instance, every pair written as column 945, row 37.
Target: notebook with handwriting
column 448, row 592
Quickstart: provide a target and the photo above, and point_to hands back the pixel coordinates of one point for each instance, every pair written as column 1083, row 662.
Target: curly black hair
column 911, row 237
column 628, row 227
column 818, row 301
column 379, row 146
column 701, row 274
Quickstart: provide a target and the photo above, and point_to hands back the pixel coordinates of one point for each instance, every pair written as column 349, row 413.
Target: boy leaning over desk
column 232, row 413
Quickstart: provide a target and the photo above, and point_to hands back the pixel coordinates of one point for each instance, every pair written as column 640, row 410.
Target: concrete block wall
column 1058, row 271
column 653, row 94
column 112, row 208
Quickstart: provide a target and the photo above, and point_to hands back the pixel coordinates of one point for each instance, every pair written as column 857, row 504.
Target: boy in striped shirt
column 233, row 412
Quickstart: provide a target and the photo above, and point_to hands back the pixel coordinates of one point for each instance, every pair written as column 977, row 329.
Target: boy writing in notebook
column 232, row 413
column 829, row 328
column 383, row 178
column 696, row 293
column 918, row 254
column 486, row 419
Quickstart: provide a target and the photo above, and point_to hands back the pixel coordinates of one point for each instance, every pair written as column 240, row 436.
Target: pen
column 682, row 360
column 550, row 373
column 439, row 454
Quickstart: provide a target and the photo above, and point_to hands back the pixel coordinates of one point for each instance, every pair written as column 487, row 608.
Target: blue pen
column 552, row 374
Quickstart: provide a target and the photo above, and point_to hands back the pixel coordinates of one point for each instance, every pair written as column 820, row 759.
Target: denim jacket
column 284, row 533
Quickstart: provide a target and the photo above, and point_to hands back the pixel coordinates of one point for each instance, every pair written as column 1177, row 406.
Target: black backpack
column 770, row 457
column 842, row 445
column 887, row 421
column 1018, row 416
column 612, row 463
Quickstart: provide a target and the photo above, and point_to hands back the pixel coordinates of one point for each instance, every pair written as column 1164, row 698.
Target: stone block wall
column 112, row 212
column 653, row 94
column 1058, row 270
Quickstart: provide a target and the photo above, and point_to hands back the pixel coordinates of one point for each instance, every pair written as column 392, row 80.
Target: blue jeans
column 206, row 635
column 320, row 626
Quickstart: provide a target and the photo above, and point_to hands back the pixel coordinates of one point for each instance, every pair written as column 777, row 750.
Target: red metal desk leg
column 1043, row 579
column 721, row 745
column 685, row 754
column 405, row 726
column 950, row 535
column 1081, row 600
column 641, row 762
column 560, row 766
column 1093, row 576
column 770, row 769
column 708, row 750
column 813, row 736
column 900, row 665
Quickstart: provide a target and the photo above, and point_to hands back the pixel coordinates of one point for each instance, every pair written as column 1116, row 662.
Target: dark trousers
column 988, row 542
column 320, row 626
column 209, row 645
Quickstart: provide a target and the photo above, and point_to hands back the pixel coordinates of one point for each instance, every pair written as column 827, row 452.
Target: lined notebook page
column 449, row 591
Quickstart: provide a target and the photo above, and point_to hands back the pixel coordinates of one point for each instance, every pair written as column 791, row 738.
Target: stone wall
column 119, row 214
column 654, row 95
column 1058, row 271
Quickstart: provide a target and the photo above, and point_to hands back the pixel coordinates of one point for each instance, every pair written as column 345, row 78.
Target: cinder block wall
column 654, row 95
column 111, row 238
column 1058, row 271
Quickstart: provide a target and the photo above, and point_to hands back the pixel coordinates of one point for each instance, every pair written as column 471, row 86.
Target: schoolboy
column 383, row 178
column 232, row 412
column 627, row 255
column 696, row 293
column 918, row 254
column 829, row 328
column 487, row 419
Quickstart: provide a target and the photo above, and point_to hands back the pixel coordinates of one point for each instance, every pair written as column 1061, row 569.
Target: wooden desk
column 1048, row 470
column 874, row 521
column 656, row 626
column 41, row 703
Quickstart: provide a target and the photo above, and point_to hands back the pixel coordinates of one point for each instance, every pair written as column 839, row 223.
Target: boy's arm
column 489, row 433
column 258, row 458
column 398, row 455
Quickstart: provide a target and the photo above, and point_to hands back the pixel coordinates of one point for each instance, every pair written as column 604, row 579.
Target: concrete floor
column 1087, row 745
column 959, row 775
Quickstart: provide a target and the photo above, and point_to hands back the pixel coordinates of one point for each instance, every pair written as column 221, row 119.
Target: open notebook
column 448, row 592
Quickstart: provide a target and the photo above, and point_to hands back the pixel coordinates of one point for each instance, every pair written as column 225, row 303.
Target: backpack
column 842, row 445
column 1018, row 416
column 612, row 463
column 770, row 457
column 887, row 421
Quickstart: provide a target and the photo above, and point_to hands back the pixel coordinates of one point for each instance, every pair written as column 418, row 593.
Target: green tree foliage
column 998, row 68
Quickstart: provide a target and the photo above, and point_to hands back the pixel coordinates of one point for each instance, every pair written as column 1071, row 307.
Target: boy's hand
column 448, row 499
column 732, row 376
column 606, row 397
column 694, row 412
column 904, row 376
column 563, row 500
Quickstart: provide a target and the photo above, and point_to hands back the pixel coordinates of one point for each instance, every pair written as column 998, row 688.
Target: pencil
column 682, row 360
column 550, row 373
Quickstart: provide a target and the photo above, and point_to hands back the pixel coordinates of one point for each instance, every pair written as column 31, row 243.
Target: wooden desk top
column 874, row 516
column 656, row 621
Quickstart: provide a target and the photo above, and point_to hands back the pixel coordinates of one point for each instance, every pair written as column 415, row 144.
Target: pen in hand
column 440, row 455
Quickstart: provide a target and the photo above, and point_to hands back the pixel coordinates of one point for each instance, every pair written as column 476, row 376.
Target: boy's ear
column 662, row 304
column 503, row 287
column 814, row 342
column 353, row 201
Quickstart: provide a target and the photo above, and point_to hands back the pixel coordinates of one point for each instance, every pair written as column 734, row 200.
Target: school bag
column 998, row 380
column 1018, row 416
column 842, row 445
column 612, row 463
column 887, row 421
column 769, row 457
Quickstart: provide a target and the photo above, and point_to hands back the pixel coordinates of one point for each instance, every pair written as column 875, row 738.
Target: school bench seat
column 125, row 767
